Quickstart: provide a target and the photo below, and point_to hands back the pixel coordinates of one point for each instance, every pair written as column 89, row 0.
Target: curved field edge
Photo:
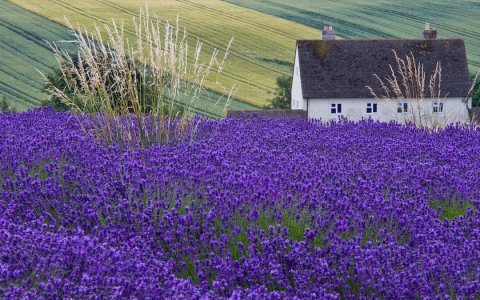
column 366, row 19
column 24, row 50
column 263, row 48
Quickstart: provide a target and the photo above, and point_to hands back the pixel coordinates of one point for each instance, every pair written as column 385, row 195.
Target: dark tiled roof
column 343, row 68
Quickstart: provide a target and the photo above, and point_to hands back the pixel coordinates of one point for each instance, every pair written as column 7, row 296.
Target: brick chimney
column 328, row 33
column 429, row 33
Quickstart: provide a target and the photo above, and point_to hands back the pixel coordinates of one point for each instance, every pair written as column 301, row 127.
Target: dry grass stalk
column 409, row 83
column 474, row 115
column 140, row 91
column 472, row 87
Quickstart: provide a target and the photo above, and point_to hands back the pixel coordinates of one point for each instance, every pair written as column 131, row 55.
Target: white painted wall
column 297, row 94
column 454, row 110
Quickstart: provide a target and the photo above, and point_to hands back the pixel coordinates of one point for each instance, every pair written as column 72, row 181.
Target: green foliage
column 156, row 88
column 450, row 209
column 57, row 80
column 476, row 94
column 282, row 94
column 5, row 106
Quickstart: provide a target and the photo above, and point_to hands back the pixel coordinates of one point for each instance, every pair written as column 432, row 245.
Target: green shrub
column 5, row 106
column 476, row 93
column 282, row 94
column 151, row 83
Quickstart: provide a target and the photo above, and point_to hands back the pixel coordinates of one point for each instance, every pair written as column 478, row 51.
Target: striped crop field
column 383, row 18
column 23, row 51
column 263, row 48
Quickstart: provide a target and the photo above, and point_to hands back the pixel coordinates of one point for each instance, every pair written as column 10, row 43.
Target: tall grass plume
column 409, row 83
column 140, row 92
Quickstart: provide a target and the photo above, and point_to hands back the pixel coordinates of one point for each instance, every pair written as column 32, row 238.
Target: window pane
column 339, row 108
column 333, row 111
column 405, row 107
column 374, row 107
column 437, row 107
column 399, row 107
column 369, row 110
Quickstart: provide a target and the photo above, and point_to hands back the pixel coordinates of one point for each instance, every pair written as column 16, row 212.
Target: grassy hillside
column 22, row 51
column 262, row 50
column 382, row 18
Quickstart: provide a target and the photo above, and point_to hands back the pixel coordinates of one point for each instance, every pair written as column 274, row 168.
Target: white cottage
column 330, row 78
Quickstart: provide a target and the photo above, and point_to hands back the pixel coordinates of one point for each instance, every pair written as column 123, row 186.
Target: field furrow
column 234, row 77
column 23, row 51
column 18, row 94
column 206, row 38
column 263, row 48
column 366, row 19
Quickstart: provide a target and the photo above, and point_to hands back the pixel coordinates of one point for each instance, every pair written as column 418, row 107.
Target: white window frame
column 438, row 107
column 402, row 107
column 373, row 106
column 336, row 108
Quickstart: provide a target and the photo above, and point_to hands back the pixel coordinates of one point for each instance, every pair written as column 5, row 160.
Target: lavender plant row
column 251, row 208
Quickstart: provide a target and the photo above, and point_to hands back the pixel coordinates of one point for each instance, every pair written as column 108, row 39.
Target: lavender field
column 250, row 208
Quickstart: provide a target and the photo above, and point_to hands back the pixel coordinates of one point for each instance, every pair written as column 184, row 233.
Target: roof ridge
column 343, row 68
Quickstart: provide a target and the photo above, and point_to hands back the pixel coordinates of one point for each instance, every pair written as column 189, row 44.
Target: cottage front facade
column 330, row 78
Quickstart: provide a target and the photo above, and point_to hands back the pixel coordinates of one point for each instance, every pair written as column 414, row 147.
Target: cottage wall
column 297, row 94
column 454, row 110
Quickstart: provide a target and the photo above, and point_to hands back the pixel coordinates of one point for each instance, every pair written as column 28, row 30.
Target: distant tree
column 282, row 94
column 56, row 79
column 68, row 82
column 5, row 106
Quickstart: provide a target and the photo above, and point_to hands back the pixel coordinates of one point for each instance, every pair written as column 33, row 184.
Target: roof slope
column 343, row 68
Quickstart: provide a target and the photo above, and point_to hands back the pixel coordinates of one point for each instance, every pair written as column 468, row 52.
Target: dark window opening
column 371, row 108
column 336, row 108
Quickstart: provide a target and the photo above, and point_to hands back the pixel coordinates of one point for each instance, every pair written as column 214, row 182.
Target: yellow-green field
column 22, row 52
column 363, row 19
column 263, row 48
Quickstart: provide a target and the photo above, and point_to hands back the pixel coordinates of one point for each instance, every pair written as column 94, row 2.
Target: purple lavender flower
column 251, row 208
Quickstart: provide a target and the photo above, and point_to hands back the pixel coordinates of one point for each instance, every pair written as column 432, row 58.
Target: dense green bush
column 56, row 79
column 476, row 95
column 282, row 95
column 5, row 106
column 154, row 82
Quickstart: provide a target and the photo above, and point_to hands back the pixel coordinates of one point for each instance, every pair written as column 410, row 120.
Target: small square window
column 336, row 108
column 402, row 107
column 371, row 108
column 437, row 107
